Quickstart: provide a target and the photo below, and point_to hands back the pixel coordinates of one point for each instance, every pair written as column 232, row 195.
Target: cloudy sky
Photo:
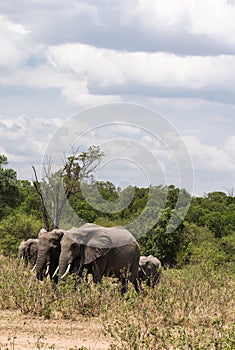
column 175, row 57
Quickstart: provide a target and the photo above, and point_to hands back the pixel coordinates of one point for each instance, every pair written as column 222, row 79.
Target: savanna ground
column 191, row 308
column 18, row 331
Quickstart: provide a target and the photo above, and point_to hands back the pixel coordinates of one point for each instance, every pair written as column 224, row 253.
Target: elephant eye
column 53, row 244
column 75, row 248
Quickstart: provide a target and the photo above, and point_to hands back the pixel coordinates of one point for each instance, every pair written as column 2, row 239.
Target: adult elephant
column 105, row 251
column 48, row 253
column 149, row 270
column 28, row 251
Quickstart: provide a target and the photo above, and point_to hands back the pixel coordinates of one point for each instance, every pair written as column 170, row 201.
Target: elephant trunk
column 65, row 264
column 41, row 267
column 63, row 268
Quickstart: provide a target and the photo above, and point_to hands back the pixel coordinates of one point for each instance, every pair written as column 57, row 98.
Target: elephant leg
column 96, row 277
column 134, row 277
column 137, row 285
column 97, row 269
column 54, row 289
column 149, row 281
column 124, row 282
column 156, row 279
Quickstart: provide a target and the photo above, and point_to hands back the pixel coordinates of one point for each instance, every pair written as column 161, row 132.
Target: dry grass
column 192, row 308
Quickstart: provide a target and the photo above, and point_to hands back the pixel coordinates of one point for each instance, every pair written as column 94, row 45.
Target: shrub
column 15, row 228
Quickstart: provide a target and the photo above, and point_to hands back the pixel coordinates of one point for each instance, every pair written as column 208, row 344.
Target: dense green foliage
column 206, row 233
column 9, row 193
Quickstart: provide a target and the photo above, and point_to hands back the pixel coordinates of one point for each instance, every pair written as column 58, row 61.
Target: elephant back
column 102, row 237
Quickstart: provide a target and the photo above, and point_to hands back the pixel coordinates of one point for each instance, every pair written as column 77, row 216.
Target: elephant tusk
column 34, row 268
column 66, row 272
column 47, row 270
column 143, row 271
column 56, row 270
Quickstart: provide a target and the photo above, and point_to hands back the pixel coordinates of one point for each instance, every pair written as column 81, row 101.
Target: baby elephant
column 149, row 270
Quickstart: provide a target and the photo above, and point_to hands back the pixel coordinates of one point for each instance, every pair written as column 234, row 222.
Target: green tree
column 205, row 248
column 29, row 200
column 164, row 240
column 227, row 244
column 16, row 227
column 216, row 210
column 9, row 192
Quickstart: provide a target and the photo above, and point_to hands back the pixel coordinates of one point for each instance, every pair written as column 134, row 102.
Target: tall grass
column 191, row 308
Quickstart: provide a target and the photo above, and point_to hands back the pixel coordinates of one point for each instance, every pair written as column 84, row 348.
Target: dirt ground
column 22, row 332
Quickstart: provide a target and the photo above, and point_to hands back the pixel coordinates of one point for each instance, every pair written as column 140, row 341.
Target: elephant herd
column 101, row 251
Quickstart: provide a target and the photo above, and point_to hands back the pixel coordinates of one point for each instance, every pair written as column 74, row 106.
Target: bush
column 17, row 227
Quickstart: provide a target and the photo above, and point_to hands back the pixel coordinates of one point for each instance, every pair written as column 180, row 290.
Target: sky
column 172, row 59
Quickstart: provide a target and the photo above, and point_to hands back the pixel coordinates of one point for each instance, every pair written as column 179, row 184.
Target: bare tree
column 56, row 188
column 37, row 186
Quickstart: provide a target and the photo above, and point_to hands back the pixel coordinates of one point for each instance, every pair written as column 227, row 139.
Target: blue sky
column 60, row 57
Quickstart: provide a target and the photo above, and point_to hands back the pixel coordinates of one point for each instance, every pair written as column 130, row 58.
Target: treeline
column 183, row 230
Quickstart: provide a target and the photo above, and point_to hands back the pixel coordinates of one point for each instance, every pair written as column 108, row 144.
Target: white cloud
column 89, row 75
column 174, row 25
column 24, row 137
column 212, row 18
column 175, row 56
column 77, row 92
column 230, row 146
column 108, row 68
column 208, row 157
column 13, row 45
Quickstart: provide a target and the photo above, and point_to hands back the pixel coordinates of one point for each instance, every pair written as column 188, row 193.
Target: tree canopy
column 9, row 192
column 206, row 233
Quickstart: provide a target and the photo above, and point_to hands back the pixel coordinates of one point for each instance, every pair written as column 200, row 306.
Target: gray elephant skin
column 48, row 254
column 105, row 251
column 149, row 270
column 28, row 251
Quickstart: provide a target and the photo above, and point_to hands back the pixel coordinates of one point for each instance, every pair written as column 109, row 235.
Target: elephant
column 48, row 254
column 149, row 270
column 28, row 251
column 104, row 251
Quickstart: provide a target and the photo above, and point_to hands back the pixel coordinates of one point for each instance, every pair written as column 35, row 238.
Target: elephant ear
column 97, row 247
column 28, row 246
column 21, row 249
